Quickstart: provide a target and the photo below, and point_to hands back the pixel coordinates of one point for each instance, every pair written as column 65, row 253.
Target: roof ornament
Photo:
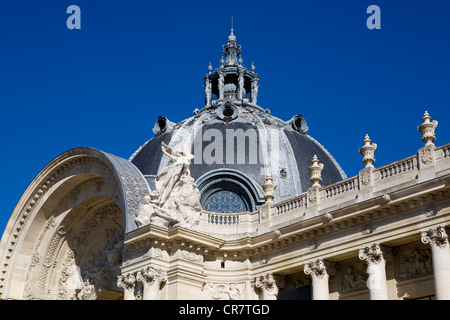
column 162, row 125
column 298, row 123
column 427, row 129
column 368, row 151
column 210, row 68
column 231, row 50
column 315, row 171
column 269, row 187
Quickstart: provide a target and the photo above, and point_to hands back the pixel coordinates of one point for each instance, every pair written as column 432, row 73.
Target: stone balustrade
column 429, row 162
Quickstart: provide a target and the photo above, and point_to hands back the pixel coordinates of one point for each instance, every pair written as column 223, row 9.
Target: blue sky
column 104, row 85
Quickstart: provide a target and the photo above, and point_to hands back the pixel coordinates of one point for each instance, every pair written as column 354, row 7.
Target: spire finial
column 231, row 49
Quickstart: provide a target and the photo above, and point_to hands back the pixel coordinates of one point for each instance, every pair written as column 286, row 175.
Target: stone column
column 152, row 279
column 438, row 240
column 127, row 282
column 375, row 257
column 320, row 270
column 269, row 285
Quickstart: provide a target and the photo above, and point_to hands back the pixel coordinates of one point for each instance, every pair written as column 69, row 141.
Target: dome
column 242, row 152
column 236, row 144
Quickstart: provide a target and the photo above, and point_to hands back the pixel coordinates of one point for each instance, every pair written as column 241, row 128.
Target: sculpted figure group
column 176, row 200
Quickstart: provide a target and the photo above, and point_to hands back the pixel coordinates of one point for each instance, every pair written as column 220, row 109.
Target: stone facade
column 90, row 226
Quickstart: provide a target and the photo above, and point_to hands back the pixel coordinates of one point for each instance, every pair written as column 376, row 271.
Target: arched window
column 225, row 201
column 226, row 196
column 228, row 191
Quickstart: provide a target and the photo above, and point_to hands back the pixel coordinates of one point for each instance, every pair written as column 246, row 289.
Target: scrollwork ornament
column 319, row 268
column 374, row 254
column 435, row 237
column 126, row 281
column 151, row 275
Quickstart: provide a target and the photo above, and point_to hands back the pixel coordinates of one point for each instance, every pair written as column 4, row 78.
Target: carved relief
column 224, row 291
column 134, row 186
column 426, row 155
column 264, row 211
column 413, row 263
column 88, row 267
column 312, row 196
column 354, row 278
column 191, row 256
column 365, row 176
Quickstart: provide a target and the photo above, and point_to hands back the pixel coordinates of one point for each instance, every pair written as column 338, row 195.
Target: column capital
column 376, row 253
column 435, row 237
column 126, row 281
column 269, row 283
column 320, row 268
column 151, row 275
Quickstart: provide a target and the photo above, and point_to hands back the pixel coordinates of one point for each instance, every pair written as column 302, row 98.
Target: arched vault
column 67, row 229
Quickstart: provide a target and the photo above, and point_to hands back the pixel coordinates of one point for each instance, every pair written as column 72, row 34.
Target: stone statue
column 176, row 200
column 169, row 176
column 207, row 92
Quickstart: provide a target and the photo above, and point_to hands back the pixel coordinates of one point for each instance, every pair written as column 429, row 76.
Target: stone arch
column 73, row 186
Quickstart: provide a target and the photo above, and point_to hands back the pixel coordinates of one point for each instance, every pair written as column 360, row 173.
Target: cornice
column 358, row 214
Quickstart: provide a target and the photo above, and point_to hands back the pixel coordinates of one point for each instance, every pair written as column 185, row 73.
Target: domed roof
column 246, row 149
column 237, row 143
